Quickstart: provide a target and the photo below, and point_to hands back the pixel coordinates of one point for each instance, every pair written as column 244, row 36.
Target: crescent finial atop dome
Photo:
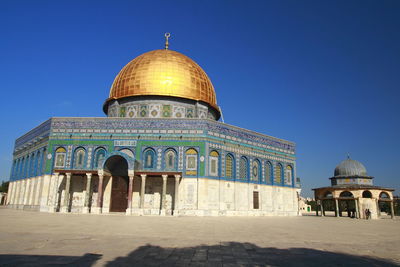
column 167, row 35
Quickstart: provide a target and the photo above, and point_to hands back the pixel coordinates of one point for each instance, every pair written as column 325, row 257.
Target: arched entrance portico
column 117, row 166
column 115, row 183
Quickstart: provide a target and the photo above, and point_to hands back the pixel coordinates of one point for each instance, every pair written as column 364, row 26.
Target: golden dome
column 164, row 73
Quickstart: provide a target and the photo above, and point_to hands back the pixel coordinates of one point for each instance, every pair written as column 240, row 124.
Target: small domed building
column 353, row 192
column 161, row 150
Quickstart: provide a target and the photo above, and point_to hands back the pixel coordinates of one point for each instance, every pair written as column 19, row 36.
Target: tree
column 4, row 187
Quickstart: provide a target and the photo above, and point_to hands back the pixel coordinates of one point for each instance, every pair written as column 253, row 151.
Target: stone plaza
column 33, row 238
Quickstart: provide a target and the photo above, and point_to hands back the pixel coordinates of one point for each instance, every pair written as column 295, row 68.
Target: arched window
column 384, row 195
column 243, row 168
column 39, row 158
column 21, row 168
column 213, row 161
column 60, row 157
column 149, row 158
column 268, row 172
column 366, row 194
column 288, row 175
column 36, row 164
column 255, row 171
column 346, row 194
column 191, row 161
column 100, row 154
column 42, row 163
column 26, row 167
column 170, row 159
column 13, row 169
column 229, row 166
column 32, row 166
column 328, row 194
column 79, row 158
column 278, row 174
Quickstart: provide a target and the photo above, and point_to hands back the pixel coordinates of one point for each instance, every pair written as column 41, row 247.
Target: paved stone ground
column 33, row 239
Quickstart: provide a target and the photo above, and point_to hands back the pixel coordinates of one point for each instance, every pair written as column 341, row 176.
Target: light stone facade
column 196, row 197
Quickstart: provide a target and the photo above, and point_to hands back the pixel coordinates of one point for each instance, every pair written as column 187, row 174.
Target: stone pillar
column 336, row 207
column 316, row 208
column 176, row 195
column 322, row 208
column 27, row 191
column 142, row 190
column 26, row 187
column 357, row 209
column 99, row 203
column 21, row 193
column 9, row 193
column 14, row 187
column 130, row 189
column 53, row 206
column 65, row 206
column 164, row 194
column 45, row 193
column 87, row 193
column 391, row 210
column 378, row 210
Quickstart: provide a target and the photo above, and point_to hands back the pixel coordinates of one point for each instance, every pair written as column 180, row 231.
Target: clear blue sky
column 324, row 74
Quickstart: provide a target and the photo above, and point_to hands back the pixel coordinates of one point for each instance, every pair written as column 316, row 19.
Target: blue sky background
column 324, row 74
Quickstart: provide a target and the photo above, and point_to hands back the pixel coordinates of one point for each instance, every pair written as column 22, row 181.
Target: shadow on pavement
column 224, row 254
column 48, row 260
column 241, row 254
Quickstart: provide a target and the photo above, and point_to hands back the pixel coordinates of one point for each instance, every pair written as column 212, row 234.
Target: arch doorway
column 385, row 206
column 347, row 203
column 117, row 166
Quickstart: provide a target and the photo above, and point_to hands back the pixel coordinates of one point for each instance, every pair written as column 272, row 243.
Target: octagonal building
column 161, row 150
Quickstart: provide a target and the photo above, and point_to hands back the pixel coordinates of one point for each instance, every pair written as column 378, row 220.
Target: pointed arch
column 170, row 159
column 79, row 158
column 278, row 174
column 149, row 158
column 269, row 172
column 288, row 175
column 256, row 171
column 191, row 161
column 99, row 155
column 214, row 163
column 229, row 166
column 243, row 168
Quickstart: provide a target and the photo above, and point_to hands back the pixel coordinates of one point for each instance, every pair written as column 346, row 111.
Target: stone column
column 142, row 190
column 87, row 193
column 130, row 189
column 322, row 208
column 27, row 191
column 164, row 194
column 65, row 206
column 53, row 195
column 357, row 209
column 336, row 207
column 9, row 194
column 99, row 203
column 391, row 209
column 45, row 194
column 176, row 195
column 316, row 207
column 14, row 187
column 378, row 210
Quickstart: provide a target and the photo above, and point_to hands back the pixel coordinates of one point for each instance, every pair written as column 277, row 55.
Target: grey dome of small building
column 350, row 167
